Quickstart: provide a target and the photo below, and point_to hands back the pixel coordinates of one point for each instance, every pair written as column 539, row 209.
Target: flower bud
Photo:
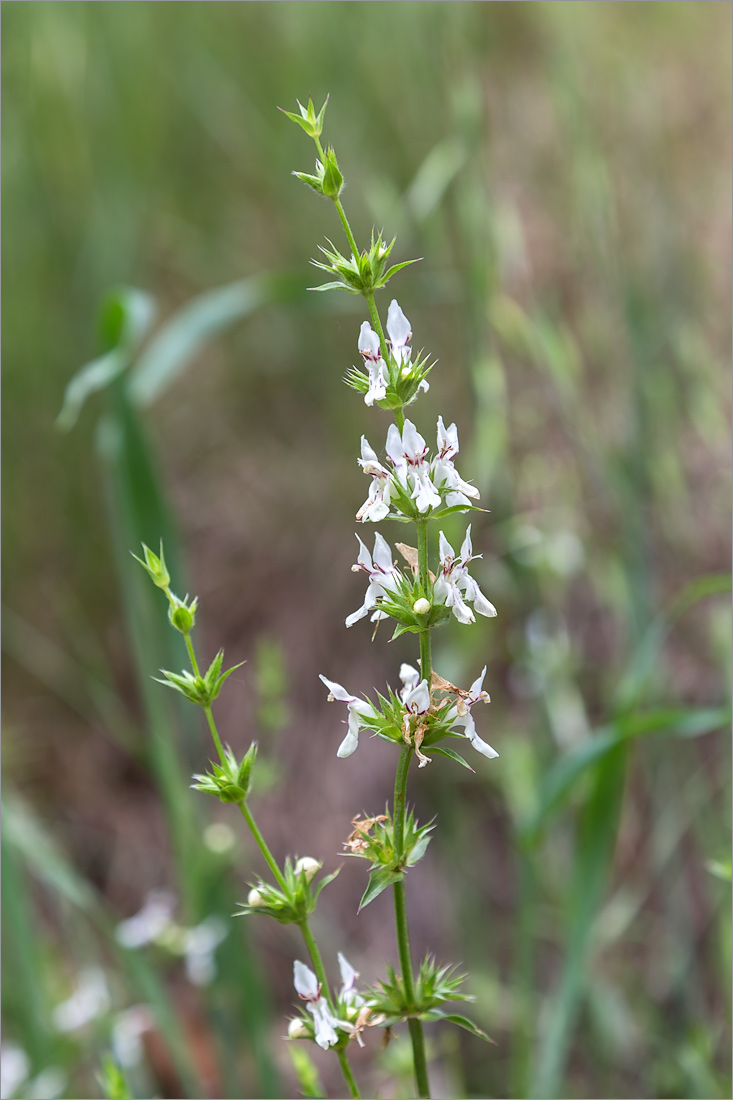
column 297, row 1029
column 405, row 373
column 255, row 899
column 182, row 618
column 308, row 867
column 421, row 606
column 332, row 181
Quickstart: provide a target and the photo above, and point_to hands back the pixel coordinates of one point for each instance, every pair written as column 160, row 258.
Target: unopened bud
column 405, row 373
column 182, row 619
column 308, row 867
column 297, row 1029
column 255, row 899
column 421, row 606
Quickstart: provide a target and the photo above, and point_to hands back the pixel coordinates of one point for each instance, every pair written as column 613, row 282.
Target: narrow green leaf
column 459, row 1021
column 378, row 882
column 450, row 754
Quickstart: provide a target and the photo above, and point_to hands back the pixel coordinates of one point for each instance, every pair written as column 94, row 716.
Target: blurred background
column 564, row 170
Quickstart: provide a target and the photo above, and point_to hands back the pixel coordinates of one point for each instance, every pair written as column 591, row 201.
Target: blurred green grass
column 564, row 170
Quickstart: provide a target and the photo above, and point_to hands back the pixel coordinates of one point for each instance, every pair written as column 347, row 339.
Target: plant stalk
column 315, row 956
column 401, row 925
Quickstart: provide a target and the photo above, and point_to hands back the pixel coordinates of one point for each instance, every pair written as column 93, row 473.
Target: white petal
column 461, row 610
column 349, row 744
column 368, row 341
column 304, row 980
column 446, row 550
column 409, row 676
column 325, row 1034
column 475, row 688
column 383, row 554
column 356, row 615
column 394, row 447
column 483, row 748
column 368, row 454
column 398, row 328
column 413, row 443
column 348, row 974
column 458, row 500
column 418, row 701
column 467, row 547
column 336, row 690
column 364, row 558
column 483, row 606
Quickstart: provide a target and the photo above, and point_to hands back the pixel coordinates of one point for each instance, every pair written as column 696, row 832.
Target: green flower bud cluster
column 434, row 986
column 311, row 122
column 229, row 781
column 296, row 901
column 198, row 689
column 373, row 838
column 155, row 566
column 328, row 180
column 362, row 273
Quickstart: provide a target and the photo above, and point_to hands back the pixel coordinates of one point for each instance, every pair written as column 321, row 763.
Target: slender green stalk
column 262, row 845
column 315, row 956
column 214, row 733
column 280, row 879
column 401, row 925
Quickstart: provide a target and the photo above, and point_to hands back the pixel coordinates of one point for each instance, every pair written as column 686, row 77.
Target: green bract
column 311, row 122
column 290, row 906
column 154, row 566
column 201, row 690
column 434, row 986
column 230, row 781
column 363, row 273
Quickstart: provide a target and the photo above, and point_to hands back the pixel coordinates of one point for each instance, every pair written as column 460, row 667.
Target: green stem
column 262, row 844
column 403, row 933
column 315, row 956
column 423, row 573
column 191, row 655
column 347, row 227
column 215, row 734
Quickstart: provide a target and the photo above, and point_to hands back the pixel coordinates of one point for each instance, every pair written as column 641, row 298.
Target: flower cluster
column 418, row 715
column 414, row 485
column 351, row 1012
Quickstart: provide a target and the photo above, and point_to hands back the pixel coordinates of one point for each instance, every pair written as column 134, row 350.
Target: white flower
column 152, row 920
column 453, row 583
column 255, row 898
column 460, row 715
column 307, row 987
column 372, row 355
column 308, row 867
column 89, row 1001
column 358, row 710
column 16, row 1066
column 417, row 699
column 200, row 944
column 297, row 1029
column 383, row 577
column 399, row 332
column 410, row 677
column 127, row 1032
column 348, row 994
column 408, row 454
column 443, row 472
column 376, row 506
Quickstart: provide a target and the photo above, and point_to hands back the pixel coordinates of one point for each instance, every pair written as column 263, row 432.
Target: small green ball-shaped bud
column 228, row 792
column 255, row 899
column 297, row 1029
column 421, row 606
column 308, row 867
column 182, row 614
